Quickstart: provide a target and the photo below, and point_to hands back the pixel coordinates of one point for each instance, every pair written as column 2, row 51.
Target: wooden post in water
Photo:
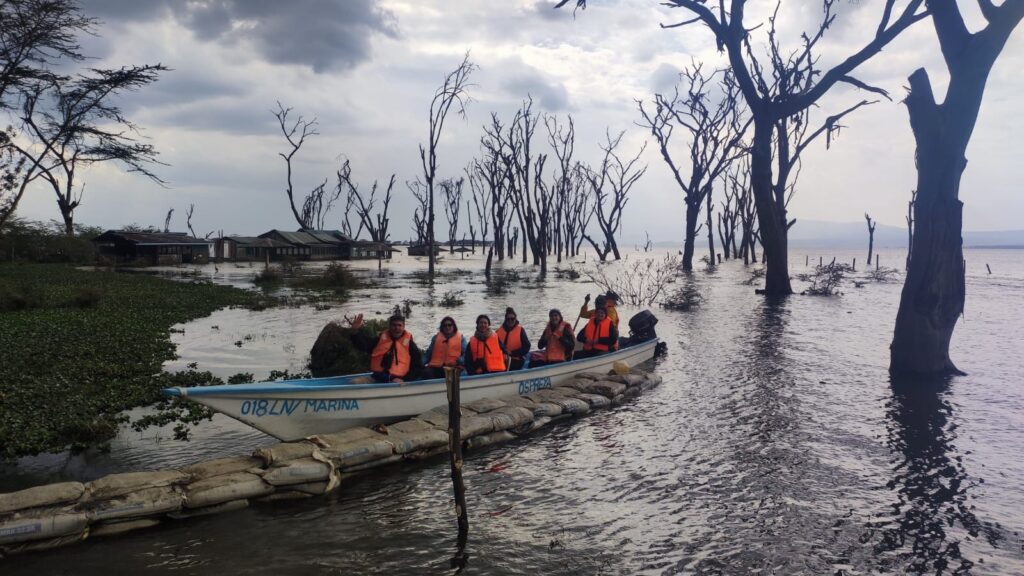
column 854, row 264
column 877, row 258
column 819, row 260
column 807, row 260
column 989, row 268
column 451, row 379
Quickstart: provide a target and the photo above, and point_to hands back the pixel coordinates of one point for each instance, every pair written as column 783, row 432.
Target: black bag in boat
column 641, row 327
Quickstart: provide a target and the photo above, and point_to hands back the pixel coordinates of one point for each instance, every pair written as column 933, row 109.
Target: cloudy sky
column 367, row 70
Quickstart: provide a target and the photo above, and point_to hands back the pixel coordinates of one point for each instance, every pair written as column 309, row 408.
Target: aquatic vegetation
column 452, row 298
column 91, row 345
column 684, row 298
column 826, row 279
column 640, row 282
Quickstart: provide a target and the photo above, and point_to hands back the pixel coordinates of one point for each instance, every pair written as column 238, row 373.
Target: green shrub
column 87, row 297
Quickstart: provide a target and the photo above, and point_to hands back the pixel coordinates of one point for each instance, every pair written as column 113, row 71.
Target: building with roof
column 152, row 247
column 251, row 248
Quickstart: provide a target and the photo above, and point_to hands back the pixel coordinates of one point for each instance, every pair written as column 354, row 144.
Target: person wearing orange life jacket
column 609, row 300
column 447, row 348
column 394, row 356
column 599, row 336
column 557, row 341
column 514, row 340
column 484, row 353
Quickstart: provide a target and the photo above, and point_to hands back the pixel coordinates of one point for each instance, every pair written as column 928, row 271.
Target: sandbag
column 547, row 409
column 536, row 423
column 284, row 452
column 631, row 392
column 439, row 416
column 520, row 401
column 235, row 486
column 591, row 375
column 49, row 495
column 358, row 452
column 382, row 462
column 344, row 437
column 37, row 545
column 650, row 381
column 410, row 427
column 284, row 496
column 421, row 440
column 632, row 379
column 489, row 439
column 475, row 426
column 579, row 384
column 311, row 488
column 620, row 367
column 299, row 471
column 510, row 417
column 115, row 485
column 24, row 528
column 613, row 377
column 121, row 526
column 567, row 404
column 207, row 510
column 606, row 388
column 211, row 468
column 145, row 502
column 597, row 400
column 483, row 405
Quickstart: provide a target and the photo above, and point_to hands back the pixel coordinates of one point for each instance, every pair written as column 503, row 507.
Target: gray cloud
column 550, row 94
column 326, row 35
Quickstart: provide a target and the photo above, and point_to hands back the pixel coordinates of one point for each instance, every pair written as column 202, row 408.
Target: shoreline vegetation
column 79, row 347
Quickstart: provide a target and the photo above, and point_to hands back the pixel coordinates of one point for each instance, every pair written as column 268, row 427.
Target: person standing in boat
column 608, row 300
column 557, row 341
column 448, row 348
column 514, row 340
column 599, row 336
column 484, row 353
column 394, row 356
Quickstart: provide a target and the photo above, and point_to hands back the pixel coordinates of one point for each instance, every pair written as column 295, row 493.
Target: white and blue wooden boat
column 294, row 409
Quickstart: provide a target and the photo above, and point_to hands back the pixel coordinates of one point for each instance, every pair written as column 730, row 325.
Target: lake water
column 776, row 445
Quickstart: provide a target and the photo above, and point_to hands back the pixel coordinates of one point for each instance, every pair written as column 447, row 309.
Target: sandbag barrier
column 54, row 515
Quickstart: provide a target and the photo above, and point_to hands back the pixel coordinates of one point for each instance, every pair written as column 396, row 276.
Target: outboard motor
column 641, row 327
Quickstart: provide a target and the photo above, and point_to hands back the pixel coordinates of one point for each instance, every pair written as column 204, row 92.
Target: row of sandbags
column 57, row 514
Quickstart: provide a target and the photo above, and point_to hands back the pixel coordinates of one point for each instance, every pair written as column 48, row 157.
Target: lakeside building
column 307, row 244
column 152, row 247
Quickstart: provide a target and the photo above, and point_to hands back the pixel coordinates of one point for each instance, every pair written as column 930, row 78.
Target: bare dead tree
column 453, row 92
column 610, row 185
column 727, row 220
column 317, row 205
column 562, row 138
column 910, row 227
column 77, row 123
column 579, row 208
column 167, row 220
column 788, row 84
column 295, row 133
column 934, row 289
column 710, row 111
column 451, row 188
column 738, row 183
column 481, row 184
column 871, row 236
column 419, row 215
column 374, row 223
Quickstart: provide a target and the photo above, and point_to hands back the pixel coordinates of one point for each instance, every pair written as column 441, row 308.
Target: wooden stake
column 854, row 264
column 989, row 268
column 807, row 260
column 451, row 379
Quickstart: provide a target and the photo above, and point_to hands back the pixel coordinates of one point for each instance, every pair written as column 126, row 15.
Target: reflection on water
column 929, row 480
column 776, row 445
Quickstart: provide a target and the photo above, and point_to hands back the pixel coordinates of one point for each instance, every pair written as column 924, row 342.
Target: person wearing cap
column 599, row 336
column 484, row 353
column 557, row 341
column 447, row 348
column 514, row 340
column 609, row 300
column 394, row 356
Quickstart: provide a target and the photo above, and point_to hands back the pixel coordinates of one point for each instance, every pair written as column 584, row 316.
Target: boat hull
column 295, row 409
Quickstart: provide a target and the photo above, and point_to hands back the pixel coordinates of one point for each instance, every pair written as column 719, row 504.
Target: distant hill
column 823, row 234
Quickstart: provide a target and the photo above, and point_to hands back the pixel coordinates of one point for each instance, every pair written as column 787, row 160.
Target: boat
column 295, row 409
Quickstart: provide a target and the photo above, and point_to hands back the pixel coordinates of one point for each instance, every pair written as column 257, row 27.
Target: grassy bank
column 78, row 347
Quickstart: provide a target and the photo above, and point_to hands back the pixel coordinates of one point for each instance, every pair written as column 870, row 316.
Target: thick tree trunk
column 711, row 232
column 770, row 214
column 692, row 211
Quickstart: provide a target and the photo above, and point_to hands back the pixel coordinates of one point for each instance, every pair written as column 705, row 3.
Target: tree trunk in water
column 692, row 211
column 770, row 215
column 711, row 232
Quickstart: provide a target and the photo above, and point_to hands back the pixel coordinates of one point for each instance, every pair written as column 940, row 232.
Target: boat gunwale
column 318, row 384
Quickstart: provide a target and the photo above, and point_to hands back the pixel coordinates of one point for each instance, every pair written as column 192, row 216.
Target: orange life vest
column 592, row 332
column 401, row 360
column 490, row 352
column 445, row 352
column 554, row 352
column 512, row 340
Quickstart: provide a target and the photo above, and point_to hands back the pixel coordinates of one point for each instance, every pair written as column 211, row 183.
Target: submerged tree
column 376, row 223
column 610, row 185
column 296, row 133
column 453, row 92
column 776, row 91
column 452, row 190
column 712, row 121
column 871, row 236
column 933, row 292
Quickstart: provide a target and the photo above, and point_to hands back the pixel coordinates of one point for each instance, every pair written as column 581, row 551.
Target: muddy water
column 776, row 445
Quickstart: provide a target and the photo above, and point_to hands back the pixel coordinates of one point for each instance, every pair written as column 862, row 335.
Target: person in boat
column 484, row 353
column 394, row 356
column 448, row 348
column 599, row 336
column 514, row 340
column 557, row 341
column 609, row 300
